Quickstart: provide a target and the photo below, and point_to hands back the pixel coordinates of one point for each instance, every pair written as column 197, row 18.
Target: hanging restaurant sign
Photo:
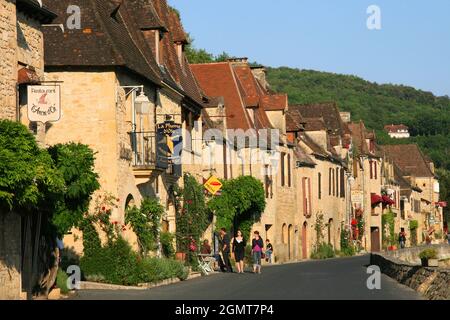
column 44, row 103
column 169, row 144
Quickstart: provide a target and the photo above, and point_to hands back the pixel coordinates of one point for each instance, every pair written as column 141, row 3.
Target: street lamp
column 142, row 103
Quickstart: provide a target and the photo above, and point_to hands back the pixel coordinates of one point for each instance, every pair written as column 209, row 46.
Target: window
column 267, row 180
column 289, row 170
column 283, row 178
column 306, row 190
column 337, row 182
column 330, row 182
column 376, row 169
column 342, row 176
column 371, row 169
column 225, row 166
column 319, row 188
column 355, row 168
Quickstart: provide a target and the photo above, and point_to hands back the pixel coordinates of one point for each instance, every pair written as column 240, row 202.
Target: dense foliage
column 76, row 164
column 192, row 218
column 241, row 204
column 145, row 222
column 117, row 263
column 28, row 178
column 388, row 223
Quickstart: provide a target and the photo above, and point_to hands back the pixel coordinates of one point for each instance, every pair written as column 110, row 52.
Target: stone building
column 419, row 171
column 397, row 131
column 22, row 63
column 367, row 198
column 249, row 109
column 128, row 80
column 322, row 141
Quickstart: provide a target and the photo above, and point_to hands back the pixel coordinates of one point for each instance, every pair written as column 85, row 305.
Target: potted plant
column 429, row 258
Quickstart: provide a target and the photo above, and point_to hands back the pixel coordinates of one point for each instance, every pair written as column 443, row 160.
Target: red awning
column 376, row 199
column 387, row 201
column 27, row 76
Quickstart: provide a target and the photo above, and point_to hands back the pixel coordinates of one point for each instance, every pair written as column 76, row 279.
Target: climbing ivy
column 388, row 223
column 193, row 216
column 145, row 222
column 241, row 204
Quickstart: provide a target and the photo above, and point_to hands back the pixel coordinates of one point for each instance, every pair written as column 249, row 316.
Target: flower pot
column 180, row 256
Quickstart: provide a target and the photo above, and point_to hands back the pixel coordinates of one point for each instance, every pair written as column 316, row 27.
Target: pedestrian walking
column 257, row 248
column 239, row 251
column 269, row 251
column 225, row 239
column 402, row 238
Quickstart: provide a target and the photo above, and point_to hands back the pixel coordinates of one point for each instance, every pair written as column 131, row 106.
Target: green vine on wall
column 240, row 205
column 146, row 222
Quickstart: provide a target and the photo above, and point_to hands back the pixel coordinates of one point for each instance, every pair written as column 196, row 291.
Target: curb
column 87, row 285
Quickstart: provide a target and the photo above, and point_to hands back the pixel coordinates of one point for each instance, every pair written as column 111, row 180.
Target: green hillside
column 427, row 116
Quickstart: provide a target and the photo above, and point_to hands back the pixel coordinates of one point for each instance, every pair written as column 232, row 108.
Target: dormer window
column 180, row 49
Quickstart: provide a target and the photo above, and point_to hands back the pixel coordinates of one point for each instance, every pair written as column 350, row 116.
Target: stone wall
column 8, row 70
column 10, row 256
column 432, row 283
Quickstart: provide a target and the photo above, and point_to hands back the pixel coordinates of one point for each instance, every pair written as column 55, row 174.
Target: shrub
column 154, row 270
column 167, row 247
column 116, row 262
column 323, row 251
column 428, row 254
column 61, row 281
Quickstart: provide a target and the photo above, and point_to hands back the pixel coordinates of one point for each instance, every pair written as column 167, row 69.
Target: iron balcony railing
column 143, row 145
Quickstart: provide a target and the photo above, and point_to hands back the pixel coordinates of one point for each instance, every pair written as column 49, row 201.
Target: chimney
column 243, row 60
column 260, row 73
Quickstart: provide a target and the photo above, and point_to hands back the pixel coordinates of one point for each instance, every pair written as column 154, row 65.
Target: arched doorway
column 305, row 241
column 129, row 203
column 330, row 232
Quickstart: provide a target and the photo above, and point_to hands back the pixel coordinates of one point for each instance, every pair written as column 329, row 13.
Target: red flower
column 115, row 223
column 103, row 208
column 118, row 200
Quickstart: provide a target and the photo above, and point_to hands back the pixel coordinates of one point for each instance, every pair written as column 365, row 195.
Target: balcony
column 148, row 156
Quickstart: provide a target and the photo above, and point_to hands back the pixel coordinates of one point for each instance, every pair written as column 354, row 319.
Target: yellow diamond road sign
column 213, row 185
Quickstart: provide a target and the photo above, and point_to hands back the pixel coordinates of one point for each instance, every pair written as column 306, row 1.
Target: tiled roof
column 218, row 79
column 42, row 13
column 329, row 112
column 358, row 130
column 314, row 124
column 146, row 16
column 105, row 40
column 181, row 73
column 274, row 102
column 395, row 128
column 301, row 156
column 410, row 159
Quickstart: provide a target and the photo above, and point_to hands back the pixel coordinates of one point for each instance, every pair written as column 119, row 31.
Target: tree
column 27, row 174
column 240, row 205
column 76, row 164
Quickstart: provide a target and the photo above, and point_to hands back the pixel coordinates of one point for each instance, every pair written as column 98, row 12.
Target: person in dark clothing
column 239, row 251
column 269, row 251
column 257, row 248
column 402, row 238
column 225, row 239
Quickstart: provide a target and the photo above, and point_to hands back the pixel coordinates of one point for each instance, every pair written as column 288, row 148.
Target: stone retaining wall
column 432, row 283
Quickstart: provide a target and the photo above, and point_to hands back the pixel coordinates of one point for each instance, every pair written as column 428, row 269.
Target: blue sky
column 412, row 48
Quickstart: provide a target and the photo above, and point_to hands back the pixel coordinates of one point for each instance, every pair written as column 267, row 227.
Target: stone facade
column 8, row 52
column 10, row 256
column 21, row 46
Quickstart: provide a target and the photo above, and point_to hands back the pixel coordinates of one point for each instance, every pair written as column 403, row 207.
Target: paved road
column 336, row 279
